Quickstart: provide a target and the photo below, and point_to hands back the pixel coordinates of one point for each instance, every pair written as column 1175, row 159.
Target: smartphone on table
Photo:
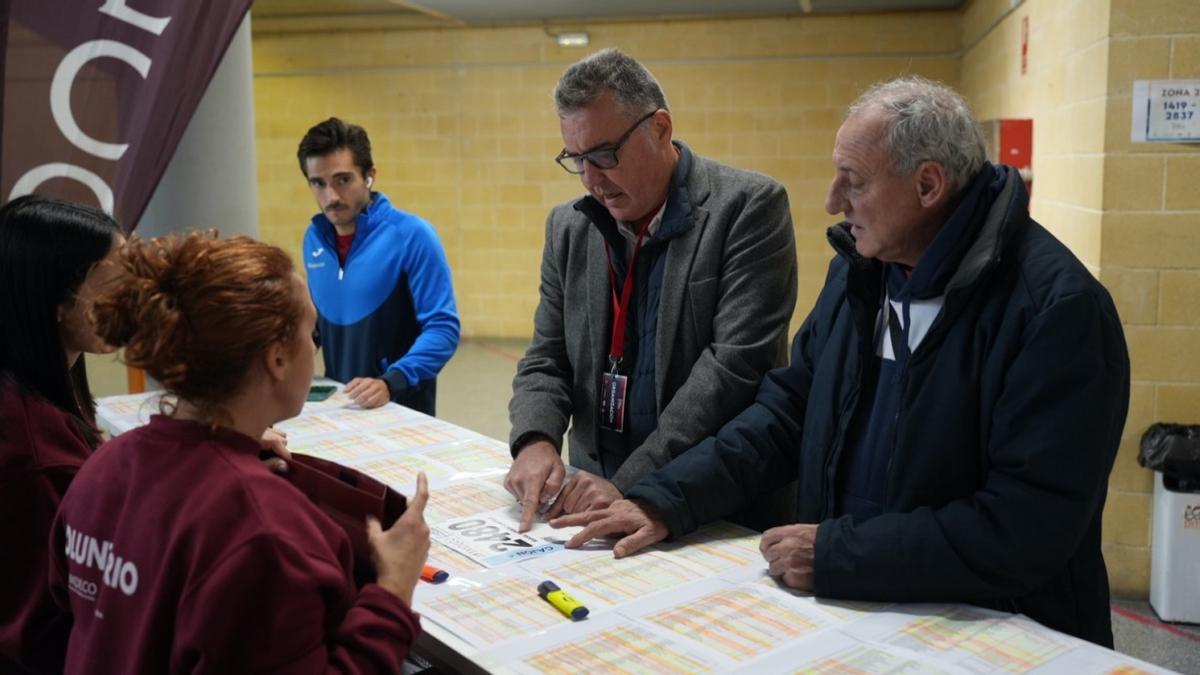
column 320, row 392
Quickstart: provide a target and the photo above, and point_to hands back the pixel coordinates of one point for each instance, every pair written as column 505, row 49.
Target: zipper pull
column 341, row 273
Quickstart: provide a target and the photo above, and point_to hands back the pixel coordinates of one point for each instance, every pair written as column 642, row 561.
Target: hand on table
column 636, row 522
column 369, row 392
column 534, row 477
column 788, row 551
column 584, row 492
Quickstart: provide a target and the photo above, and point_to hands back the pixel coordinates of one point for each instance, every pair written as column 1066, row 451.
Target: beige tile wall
column 1150, row 258
column 464, row 130
column 1063, row 91
column 1131, row 211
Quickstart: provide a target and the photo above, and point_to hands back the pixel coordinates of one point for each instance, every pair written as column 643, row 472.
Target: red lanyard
column 621, row 306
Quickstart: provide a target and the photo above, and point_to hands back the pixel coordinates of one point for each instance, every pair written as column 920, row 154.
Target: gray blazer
column 729, row 289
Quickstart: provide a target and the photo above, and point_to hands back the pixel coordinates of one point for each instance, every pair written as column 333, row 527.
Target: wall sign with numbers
column 1166, row 111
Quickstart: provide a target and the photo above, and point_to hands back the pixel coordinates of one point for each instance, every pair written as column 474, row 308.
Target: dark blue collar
column 939, row 262
column 677, row 216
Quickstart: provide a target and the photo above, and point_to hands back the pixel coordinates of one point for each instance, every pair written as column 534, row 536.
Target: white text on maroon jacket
column 85, row 550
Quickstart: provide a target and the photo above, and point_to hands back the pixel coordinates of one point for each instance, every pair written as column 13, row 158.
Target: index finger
column 581, row 518
column 529, row 507
column 601, row 527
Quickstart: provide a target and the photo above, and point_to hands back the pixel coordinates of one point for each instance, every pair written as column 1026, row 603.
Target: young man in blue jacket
column 954, row 401
column 378, row 277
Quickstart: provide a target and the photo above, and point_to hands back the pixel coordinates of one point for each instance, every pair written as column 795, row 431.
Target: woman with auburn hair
column 176, row 549
column 54, row 255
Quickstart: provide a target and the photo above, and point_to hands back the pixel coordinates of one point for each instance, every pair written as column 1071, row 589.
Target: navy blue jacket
column 389, row 311
column 1011, row 414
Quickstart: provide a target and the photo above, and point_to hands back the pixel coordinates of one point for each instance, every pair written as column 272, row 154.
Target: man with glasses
column 666, row 293
column 378, row 277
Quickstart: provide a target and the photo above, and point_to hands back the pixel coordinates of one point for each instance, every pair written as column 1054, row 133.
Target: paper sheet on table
column 492, row 538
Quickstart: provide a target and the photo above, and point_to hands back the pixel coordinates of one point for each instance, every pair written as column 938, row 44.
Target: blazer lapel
column 599, row 298
column 681, row 252
column 693, row 191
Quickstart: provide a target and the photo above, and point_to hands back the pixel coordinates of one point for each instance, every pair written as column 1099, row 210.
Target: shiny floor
column 473, row 392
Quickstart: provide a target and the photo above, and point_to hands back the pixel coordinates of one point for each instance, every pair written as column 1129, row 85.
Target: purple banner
column 97, row 93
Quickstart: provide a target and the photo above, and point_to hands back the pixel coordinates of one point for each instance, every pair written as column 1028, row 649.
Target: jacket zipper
column 331, row 244
column 887, row 485
column 939, row 327
column 832, row 458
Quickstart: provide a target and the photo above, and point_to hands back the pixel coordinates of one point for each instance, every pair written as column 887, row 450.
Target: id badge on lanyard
column 612, row 402
column 613, row 385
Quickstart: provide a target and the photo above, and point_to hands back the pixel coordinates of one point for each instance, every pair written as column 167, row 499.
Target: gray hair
column 609, row 70
column 926, row 121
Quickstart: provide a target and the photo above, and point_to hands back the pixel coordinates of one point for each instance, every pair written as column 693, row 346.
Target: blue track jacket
column 389, row 312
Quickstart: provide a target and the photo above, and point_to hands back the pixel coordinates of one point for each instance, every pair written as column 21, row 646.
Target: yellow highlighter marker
column 564, row 603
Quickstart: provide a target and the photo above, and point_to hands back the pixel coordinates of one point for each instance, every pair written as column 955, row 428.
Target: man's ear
column 275, row 361
column 933, row 187
column 662, row 125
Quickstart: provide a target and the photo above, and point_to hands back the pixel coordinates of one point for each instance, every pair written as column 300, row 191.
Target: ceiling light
column 579, row 39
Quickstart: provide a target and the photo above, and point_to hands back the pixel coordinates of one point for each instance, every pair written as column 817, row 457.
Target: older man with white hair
column 954, row 401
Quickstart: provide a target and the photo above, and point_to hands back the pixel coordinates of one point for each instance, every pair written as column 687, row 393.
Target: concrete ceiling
column 326, row 15
column 504, row 11
column 350, row 14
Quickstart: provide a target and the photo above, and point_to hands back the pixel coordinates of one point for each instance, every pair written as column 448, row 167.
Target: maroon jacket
column 41, row 450
column 178, row 551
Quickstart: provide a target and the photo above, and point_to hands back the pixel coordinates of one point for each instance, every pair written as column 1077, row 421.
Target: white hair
column 926, row 121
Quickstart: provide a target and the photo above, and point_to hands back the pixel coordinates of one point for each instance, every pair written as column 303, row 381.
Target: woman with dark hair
column 54, row 256
column 176, row 549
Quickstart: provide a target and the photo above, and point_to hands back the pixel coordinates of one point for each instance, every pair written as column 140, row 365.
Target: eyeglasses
column 605, row 158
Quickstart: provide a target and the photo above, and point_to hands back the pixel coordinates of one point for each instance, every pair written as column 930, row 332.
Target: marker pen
column 561, row 601
column 433, row 575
